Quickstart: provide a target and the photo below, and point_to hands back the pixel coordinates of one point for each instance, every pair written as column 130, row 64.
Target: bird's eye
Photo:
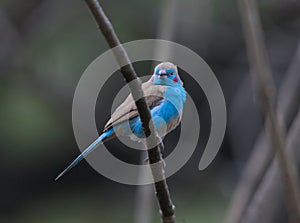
column 171, row 74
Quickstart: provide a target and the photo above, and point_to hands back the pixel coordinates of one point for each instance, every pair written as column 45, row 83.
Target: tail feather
column 85, row 153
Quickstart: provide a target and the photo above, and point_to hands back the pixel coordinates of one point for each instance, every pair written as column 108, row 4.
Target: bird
column 165, row 96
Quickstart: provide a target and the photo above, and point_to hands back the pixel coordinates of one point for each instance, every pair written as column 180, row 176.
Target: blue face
column 165, row 76
column 165, row 72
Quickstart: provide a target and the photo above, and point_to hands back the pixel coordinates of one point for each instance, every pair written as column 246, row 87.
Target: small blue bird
column 165, row 96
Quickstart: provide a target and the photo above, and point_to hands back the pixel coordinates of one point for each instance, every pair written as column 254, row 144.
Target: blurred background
column 45, row 45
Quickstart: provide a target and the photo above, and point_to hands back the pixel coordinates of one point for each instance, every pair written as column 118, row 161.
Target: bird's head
column 166, row 73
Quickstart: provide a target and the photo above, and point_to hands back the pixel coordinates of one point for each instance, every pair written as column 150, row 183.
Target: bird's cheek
column 152, row 79
column 175, row 79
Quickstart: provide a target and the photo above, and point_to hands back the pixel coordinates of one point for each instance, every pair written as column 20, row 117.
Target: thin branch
column 267, row 205
column 161, row 187
column 261, row 156
column 288, row 99
column 264, row 85
column 166, row 27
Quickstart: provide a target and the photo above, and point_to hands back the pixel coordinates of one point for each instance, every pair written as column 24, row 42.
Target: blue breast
column 166, row 114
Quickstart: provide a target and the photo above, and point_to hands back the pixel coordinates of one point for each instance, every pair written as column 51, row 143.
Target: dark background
column 45, row 45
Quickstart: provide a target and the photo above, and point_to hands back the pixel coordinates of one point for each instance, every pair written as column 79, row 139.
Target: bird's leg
column 161, row 149
column 161, row 145
column 145, row 160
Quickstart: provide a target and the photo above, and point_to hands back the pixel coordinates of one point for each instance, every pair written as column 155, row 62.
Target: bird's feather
column 165, row 97
column 127, row 110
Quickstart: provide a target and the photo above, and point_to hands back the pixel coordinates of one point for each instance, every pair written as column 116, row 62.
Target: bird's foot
column 161, row 149
column 161, row 145
column 146, row 161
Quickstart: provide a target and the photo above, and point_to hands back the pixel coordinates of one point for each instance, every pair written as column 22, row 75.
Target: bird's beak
column 162, row 72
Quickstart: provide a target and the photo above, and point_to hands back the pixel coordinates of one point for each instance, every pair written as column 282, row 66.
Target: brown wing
column 127, row 110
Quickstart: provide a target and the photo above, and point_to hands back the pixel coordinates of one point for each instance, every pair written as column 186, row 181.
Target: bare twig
column 166, row 27
column 288, row 99
column 161, row 187
column 264, row 85
column 261, row 155
column 267, row 205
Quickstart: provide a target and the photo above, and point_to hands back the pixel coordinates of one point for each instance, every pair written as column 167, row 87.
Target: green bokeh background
column 44, row 48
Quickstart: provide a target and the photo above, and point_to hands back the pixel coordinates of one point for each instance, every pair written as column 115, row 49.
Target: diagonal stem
column 161, row 187
column 261, row 74
column 261, row 155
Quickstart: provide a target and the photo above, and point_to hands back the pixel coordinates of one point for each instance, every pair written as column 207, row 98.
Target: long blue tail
column 86, row 152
